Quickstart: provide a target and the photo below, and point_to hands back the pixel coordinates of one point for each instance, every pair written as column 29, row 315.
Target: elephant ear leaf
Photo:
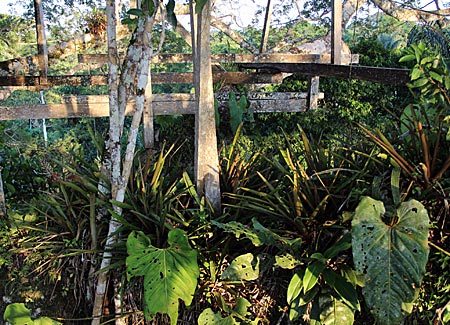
column 392, row 257
column 169, row 274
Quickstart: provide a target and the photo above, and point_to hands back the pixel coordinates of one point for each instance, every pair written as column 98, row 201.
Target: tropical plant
column 392, row 252
column 169, row 273
column 19, row 314
column 433, row 35
column 418, row 141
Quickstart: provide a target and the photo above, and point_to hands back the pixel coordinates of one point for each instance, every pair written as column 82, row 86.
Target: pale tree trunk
column 136, row 66
column 2, row 198
column 113, row 68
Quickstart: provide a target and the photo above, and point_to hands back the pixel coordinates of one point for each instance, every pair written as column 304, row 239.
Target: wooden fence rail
column 163, row 104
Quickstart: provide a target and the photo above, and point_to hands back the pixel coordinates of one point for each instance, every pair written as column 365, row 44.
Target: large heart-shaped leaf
column 169, row 274
column 392, row 257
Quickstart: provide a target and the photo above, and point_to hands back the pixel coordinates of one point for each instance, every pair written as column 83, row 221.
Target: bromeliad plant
column 421, row 150
column 296, row 217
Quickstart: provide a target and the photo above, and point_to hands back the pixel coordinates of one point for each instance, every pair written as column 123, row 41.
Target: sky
column 5, row 8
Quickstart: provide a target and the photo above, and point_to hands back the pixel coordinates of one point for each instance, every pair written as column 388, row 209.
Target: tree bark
column 112, row 143
column 410, row 14
column 2, row 198
column 136, row 66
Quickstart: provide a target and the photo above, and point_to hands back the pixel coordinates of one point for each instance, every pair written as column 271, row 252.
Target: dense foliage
column 325, row 215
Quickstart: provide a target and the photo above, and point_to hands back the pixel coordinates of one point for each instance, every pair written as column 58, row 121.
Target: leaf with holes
column 208, row 317
column 392, row 257
column 334, row 311
column 169, row 274
column 243, row 267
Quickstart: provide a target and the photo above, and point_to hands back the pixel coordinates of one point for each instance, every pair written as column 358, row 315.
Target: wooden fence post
column 313, row 92
column 206, row 154
column 336, row 32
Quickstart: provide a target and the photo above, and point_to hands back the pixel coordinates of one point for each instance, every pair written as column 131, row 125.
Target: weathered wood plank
column 206, row 161
column 235, row 58
column 52, row 81
column 313, row 91
column 157, row 78
column 163, row 104
column 373, row 74
column 336, row 32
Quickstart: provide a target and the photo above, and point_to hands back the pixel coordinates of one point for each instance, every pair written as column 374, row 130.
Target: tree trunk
column 2, row 198
column 136, row 66
column 113, row 69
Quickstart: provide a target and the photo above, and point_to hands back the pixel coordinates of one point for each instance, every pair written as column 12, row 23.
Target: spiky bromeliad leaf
column 392, row 257
column 169, row 274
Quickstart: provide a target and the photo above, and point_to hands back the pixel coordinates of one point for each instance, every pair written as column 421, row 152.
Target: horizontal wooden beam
column 29, row 65
column 234, row 58
column 163, row 104
column 373, row 74
column 157, row 78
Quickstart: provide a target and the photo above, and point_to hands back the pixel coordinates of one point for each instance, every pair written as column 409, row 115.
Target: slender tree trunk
column 2, row 197
column 136, row 66
column 113, row 144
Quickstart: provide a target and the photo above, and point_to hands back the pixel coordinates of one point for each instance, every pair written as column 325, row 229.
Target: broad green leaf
column 334, row 311
column 342, row 287
column 312, row 274
column 319, row 257
column 420, row 82
column 286, row 261
column 426, row 60
column 241, row 307
column 299, row 305
column 415, row 73
column 243, row 267
column 169, row 274
column 295, row 287
column 18, row 314
column 344, row 243
column 407, row 58
column 392, row 257
column 208, row 317
column 447, row 82
column 436, row 76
